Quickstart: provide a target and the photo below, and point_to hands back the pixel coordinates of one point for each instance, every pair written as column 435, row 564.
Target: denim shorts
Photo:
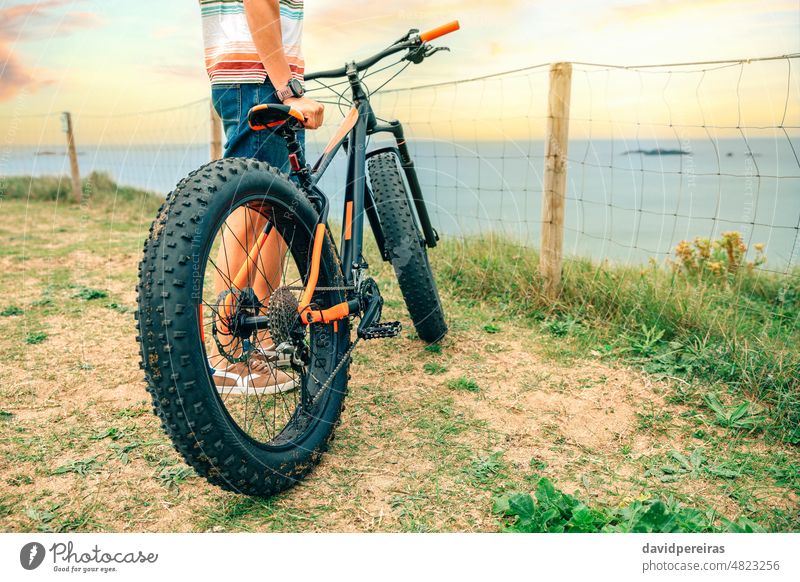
column 232, row 102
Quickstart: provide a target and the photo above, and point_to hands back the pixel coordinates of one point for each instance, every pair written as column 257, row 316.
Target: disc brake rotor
column 233, row 346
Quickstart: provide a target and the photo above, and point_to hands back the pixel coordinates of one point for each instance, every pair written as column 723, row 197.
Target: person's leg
column 243, row 227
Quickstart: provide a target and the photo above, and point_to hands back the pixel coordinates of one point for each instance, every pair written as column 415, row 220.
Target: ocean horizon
column 627, row 200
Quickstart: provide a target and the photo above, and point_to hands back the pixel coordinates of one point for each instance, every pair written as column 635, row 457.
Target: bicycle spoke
column 266, row 407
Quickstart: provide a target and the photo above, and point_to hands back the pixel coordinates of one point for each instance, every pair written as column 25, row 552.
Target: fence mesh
column 657, row 154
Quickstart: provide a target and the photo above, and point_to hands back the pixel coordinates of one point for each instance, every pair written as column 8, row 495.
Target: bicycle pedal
column 381, row 330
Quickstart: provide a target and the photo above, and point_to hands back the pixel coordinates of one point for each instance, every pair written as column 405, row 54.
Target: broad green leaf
column 521, row 504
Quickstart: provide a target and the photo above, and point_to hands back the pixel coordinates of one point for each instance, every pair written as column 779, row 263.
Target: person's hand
column 312, row 111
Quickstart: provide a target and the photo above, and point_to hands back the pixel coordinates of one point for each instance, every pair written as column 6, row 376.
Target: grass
column 463, row 383
column 97, row 187
column 88, row 294
column 596, row 394
column 35, row 338
column 434, row 368
column 740, row 330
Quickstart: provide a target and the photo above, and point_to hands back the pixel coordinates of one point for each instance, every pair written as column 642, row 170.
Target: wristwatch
column 294, row 88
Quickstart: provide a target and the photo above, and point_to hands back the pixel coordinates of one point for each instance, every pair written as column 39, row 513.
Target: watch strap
column 292, row 89
column 284, row 94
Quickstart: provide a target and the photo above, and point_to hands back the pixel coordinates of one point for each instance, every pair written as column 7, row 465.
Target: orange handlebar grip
column 439, row 31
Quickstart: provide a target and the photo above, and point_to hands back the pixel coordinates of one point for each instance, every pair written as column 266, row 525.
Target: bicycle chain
column 343, row 288
column 383, row 330
column 338, row 368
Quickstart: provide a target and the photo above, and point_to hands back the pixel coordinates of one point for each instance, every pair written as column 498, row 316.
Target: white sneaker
column 256, row 376
column 280, row 356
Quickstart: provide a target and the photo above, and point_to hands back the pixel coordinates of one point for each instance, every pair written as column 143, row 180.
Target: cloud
column 342, row 11
column 33, row 21
column 13, row 76
column 637, row 12
column 344, row 17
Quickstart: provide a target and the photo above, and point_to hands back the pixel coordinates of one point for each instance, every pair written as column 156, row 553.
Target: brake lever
column 435, row 49
column 406, row 36
column 422, row 52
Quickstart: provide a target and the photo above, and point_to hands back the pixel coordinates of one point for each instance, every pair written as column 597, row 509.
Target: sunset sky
column 105, row 56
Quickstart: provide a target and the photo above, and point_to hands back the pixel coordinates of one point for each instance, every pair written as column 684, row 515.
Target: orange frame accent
column 242, row 278
column 348, row 223
column 307, row 314
column 344, row 128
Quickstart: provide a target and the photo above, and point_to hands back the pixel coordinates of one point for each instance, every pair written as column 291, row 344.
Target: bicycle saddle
column 270, row 115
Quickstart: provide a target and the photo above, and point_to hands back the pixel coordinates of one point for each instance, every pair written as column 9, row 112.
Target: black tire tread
column 182, row 402
column 410, row 264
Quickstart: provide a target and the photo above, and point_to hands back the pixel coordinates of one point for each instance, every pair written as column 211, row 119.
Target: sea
column 627, row 201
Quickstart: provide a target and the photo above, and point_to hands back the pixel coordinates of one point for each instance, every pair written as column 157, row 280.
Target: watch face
column 296, row 87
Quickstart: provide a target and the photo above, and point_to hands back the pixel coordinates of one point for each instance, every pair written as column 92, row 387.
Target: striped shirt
column 231, row 55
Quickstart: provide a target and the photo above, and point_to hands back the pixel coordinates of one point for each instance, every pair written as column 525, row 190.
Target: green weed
column 89, row 294
column 114, row 433
column 80, row 467
column 171, row 477
column 463, row 383
column 122, row 452
column 11, row 310
column 551, row 510
column 434, row 368
column 744, row 416
column 35, row 337
column 487, row 469
column 434, row 348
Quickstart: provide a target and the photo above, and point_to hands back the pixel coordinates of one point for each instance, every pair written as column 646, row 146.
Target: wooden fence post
column 555, row 177
column 216, row 134
column 66, row 122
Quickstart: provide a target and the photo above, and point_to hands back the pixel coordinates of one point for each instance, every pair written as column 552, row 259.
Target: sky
column 98, row 57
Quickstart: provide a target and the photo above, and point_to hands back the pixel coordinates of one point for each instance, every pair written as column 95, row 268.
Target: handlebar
column 412, row 40
column 360, row 65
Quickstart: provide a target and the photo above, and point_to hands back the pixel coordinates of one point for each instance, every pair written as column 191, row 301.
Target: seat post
column 297, row 157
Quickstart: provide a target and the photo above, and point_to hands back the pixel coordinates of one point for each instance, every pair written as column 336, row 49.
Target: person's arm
column 264, row 21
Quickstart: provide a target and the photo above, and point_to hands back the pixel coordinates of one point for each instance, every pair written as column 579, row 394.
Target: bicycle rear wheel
column 251, row 409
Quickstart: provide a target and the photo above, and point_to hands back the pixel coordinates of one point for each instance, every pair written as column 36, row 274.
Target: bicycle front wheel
column 250, row 407
column 406, row 248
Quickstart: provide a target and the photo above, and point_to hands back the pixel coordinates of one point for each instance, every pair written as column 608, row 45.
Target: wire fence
column 656, row 153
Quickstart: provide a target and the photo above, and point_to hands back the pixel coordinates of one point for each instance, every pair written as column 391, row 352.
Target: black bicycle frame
column 360, row 123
